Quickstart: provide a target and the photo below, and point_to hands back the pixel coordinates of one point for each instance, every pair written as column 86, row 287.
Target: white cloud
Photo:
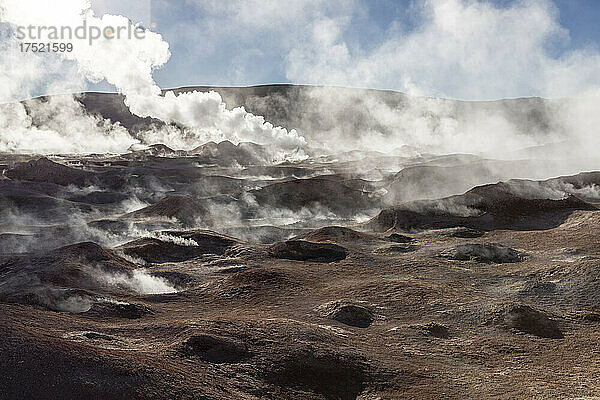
column 462, row 49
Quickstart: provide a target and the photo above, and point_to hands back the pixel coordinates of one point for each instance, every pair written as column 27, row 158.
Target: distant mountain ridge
column 317, row 110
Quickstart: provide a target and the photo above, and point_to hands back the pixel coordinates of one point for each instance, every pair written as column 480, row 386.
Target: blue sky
column 581, row 18
column 466, row 49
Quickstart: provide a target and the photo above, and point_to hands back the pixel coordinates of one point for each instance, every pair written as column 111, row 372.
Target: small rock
column 466, row 233
column 433, row 329
column 528, row 320
column 398, row 238
column 589, row 316
column 99, row 336
column 347, row 313
column 119, row 310
column 485, row 253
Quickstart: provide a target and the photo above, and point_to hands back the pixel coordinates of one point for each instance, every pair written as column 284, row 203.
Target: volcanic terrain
column 221, row 273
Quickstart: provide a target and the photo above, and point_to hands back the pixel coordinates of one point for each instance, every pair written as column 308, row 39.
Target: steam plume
column 128, row 62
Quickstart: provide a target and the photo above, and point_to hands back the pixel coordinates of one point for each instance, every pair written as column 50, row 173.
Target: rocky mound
column 39, row 200
column 317, row 193
column 226, row 153
column 45, row 170
column 114, row 226
column 454, row 174
column 526, row 319
column 352, row 181
column 186, row 209
column 335, row 234
column 91, row 252
column 279, row 171
column 590, row 316
column 302, row 250
column 17, row 242
column 517, row 205
column 175, row 246
column 64, row 279
column 348, row 313
column 215, row 349
column 585, row 185
column 433, row 181
column 158, row 150
column 154, row 250
column 266, row 234
column 538, row 288
column 116, row 309
column 485, row 253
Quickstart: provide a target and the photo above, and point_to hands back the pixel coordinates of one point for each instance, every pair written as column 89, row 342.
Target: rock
column 99, row 336
column 301, row 250
column 528, row 320
column 177, row 246
column 433, row 329
column 485, row 253
column 316, row 192
column 348, row 313
column 111, row 309
column 215, row 349
column 467, row 233
column 398, row 238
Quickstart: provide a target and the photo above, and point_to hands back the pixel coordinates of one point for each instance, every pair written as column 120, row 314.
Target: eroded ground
column 156, row 276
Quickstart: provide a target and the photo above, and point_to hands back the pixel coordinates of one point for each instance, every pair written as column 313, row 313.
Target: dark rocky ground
column 291, row 282
column 217, row 274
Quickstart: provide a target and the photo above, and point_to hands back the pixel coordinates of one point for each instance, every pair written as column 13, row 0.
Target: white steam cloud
column 58, row 125
column 139, row 281
column 465, row 49
column 164, row 237
column 128, row 62
column 461, row 49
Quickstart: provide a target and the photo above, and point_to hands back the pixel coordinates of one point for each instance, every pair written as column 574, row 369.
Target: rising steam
column 127, row 63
